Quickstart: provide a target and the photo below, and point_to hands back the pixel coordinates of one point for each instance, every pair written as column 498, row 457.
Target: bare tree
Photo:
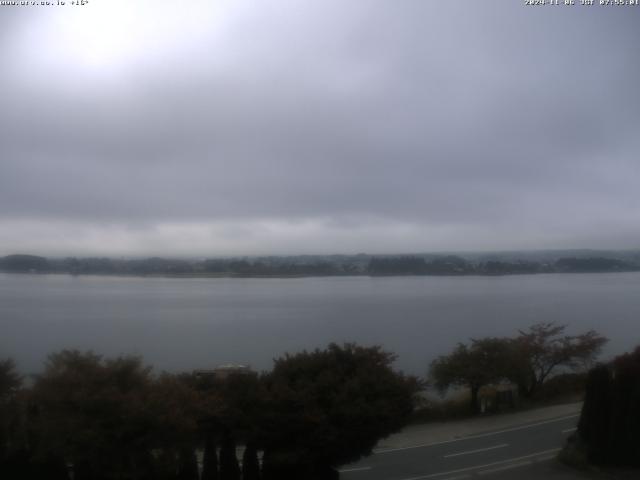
column 543, row 349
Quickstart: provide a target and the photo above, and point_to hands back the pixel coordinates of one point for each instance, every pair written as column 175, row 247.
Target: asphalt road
column 521, row 452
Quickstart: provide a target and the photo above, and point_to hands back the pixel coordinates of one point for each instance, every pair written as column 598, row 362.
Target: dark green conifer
column 250, row 463
column 210, row 459
column 229, row 468
column 188, row 464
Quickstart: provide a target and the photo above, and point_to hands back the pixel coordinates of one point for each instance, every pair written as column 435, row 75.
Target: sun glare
column 109, row 34
column 103, row 33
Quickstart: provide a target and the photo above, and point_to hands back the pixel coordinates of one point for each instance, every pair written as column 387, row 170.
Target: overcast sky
column 214, row 127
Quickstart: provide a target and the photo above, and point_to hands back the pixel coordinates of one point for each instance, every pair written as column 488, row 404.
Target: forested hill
column 332, row 265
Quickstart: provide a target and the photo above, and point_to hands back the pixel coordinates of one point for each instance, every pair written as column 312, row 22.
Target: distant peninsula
column 508, row 263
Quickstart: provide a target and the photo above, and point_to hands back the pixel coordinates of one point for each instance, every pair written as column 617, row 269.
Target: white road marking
column 479, row 467
column 357, row 469
column 505, row 467
column 570, row 430
column 545, row 458
column 481, row 435
column 476, row 451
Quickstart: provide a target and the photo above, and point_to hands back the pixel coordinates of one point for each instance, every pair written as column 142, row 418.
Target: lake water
column 182, row 324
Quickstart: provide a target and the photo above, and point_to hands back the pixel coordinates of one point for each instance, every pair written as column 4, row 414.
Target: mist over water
column 182, row 324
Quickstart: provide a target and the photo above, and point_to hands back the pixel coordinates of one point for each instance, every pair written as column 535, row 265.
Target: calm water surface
column 180, row 324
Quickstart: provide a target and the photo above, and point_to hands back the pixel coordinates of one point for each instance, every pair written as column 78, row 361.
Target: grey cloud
column 485, row 117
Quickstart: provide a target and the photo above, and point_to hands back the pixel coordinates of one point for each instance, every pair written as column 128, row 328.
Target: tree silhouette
column 544, row 349
column 330, row 407
column 210, row 459
column 229, row 468
column 609, row 425
column 188, row 464
column 250, row 463
column 483, row 362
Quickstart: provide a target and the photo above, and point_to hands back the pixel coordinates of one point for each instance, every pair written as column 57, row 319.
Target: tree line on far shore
column 332, row 265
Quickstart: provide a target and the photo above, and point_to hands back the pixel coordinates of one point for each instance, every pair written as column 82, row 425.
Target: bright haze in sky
column 214, row 127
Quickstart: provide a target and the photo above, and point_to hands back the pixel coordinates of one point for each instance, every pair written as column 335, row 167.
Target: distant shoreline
column 324, row 266
column 299, row 276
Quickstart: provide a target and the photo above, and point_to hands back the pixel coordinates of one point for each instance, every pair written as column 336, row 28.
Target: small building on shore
column 224, row 371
